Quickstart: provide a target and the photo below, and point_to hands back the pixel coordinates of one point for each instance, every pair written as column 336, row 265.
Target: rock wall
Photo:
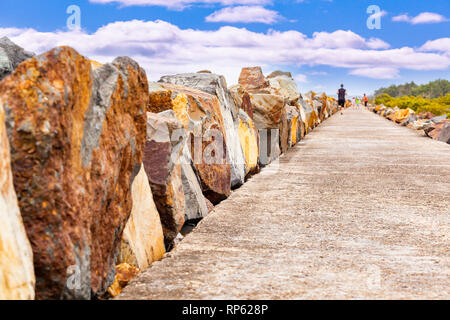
column 109, row 168
column 437, row 128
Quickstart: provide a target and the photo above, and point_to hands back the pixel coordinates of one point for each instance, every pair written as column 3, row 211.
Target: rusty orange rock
column 77, row 136
column 200, row 114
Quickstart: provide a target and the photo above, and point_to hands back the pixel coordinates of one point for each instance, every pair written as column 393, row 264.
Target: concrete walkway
column 359, row 209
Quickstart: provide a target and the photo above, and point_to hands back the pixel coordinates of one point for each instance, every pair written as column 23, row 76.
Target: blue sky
column 322, row 42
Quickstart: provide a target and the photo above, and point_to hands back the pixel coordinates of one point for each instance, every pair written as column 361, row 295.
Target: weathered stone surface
column 401, row 115
column 284, row 131
column 324, row 108
column 269, row 146
column 200, row 114
column 425, row 115
column 420, row 124
column 267, row 110
column 76, row 136
column 252, row 79
column 143, row 238
column 16, row 258
column 242, row 99
column 317, row 106
column 195, row 202
column 11, row 55
column 124, row 274
column 308, row 114
column 248, row 136
column 166, row 138
column 216, row 85
column 411, row 118
column 279, row 73
column 439, row 119
column 295, row 128
column 334, row 105
column 440, row 131
column 282, row 83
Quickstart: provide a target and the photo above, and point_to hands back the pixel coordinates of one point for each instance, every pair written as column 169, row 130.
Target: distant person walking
column 341, row 98
column 354, row 102
column 366, row 100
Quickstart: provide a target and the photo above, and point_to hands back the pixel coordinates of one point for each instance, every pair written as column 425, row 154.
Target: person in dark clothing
column 341, row 98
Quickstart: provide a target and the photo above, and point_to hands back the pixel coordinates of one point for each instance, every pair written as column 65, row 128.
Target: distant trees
column 433, row 89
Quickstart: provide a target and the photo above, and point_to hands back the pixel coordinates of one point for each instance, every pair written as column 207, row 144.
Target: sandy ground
column 360, row 209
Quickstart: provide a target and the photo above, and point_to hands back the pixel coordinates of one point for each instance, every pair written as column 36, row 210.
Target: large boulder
column 196, row 205
column 308, row 114
column 11, row 55
column 166, row 138
column 143, row 238
column 440, row 131
column 16, row 258
column 401, row 115
column 291, row 129
column 252, row 79
column 248, row 136
column 324, row 108
column 242, row 99
column 77, row 138
column 200, row 115
column 216, row 85
column 333, row 106
column 267, row 110
column 294, row 125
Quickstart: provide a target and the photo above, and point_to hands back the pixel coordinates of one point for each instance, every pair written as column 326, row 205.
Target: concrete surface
column 359, row 209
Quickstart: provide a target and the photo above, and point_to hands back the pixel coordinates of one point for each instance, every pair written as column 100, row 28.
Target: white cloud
column 376, row 72
column 246, row 14
column 401, row 18
column 301, row 78
column 344, row 39
column 424, row 17
column 318, row 73
column 181, row 4
column 163, row 48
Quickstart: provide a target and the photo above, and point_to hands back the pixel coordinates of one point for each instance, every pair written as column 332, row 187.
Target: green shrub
column 437, row 106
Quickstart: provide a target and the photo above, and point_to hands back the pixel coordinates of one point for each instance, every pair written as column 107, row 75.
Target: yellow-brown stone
column 143, row 238
column 248, row 136
column 124, row 274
